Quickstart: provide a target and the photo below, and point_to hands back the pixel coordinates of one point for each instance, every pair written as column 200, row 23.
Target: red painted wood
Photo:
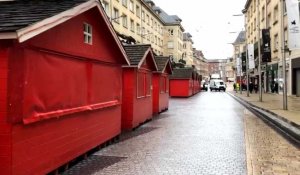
column 129, row 93
column 137, row 106
column 55, row 73
column 160, row 97
column 181, row 88
column 44, row 146
column 155, row 92
column 5, row 127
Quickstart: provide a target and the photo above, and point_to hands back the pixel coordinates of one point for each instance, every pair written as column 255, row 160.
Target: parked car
column 217, row 85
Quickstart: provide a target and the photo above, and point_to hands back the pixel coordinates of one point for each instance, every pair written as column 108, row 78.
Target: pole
column 240, row 69
column 259, row 52
column 283, row 58
column 247, row 58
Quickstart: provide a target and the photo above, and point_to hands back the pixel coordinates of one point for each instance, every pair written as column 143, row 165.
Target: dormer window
column 87, row 33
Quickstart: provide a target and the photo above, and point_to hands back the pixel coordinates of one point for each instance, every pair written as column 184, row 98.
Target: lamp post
column 283, row 49
column 259, row 51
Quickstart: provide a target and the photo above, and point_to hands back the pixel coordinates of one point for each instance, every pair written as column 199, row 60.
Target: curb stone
column 288, row 129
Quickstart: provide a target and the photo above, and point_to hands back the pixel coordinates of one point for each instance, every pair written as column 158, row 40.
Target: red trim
column 59, row 113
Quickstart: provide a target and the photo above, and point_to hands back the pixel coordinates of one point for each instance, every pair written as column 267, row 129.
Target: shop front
column 296, row 77
column 272, row 78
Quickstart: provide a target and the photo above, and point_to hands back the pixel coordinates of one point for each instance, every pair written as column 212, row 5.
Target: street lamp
column 122, row 16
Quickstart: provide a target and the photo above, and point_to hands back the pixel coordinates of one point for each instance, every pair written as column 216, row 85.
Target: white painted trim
column 8, row 35
column 144, row 57
column 46, row 24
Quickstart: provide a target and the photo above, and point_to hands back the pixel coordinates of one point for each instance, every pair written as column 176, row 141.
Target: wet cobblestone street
column 199, row 135
column 268, row 152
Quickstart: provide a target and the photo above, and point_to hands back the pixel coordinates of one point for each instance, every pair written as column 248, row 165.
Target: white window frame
column 170, row 45
column 87, row 33
column 131, row 6
column 124, row 21
column 124, row 3
column 132, row 27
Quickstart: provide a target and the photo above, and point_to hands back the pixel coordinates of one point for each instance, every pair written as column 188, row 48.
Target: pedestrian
column 251, row 87
column 256, row 87
column 234, row 86
column 273, row 87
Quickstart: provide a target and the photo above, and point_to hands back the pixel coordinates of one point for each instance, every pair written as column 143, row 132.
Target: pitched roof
column 136, row 52
column 182, row 73
column 161, row 62
column 169, row 19
column 18, row 14
column 240, row 38
column 24, row 19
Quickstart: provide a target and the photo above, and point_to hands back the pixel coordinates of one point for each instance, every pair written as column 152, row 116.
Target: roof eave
column 145, row 56
column 8, row 35
column 48, row 23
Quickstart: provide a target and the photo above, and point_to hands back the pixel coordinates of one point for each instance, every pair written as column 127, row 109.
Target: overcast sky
column 209, row 22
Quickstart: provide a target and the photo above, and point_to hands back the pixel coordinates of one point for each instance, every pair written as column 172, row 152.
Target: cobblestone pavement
column 268, row 153
column 203, row 134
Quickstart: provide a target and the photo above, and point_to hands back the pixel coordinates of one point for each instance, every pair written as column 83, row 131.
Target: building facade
column 187, row 54
column 141, row 21
column 272, row 15
column 200, row 63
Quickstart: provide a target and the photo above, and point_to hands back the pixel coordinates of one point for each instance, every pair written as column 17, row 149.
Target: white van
column 217, row 85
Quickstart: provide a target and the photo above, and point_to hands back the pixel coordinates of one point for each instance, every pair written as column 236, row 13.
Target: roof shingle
column 161, row 62
column 182, row 73
column 136, row 52
column 18, row 14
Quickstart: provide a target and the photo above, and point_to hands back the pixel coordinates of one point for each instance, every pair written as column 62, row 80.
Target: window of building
column 124, row 21
column 131, row 25
column 148, row 19
column 143, row 30
column 138, row 28
column 131, row 6
column 276, row 42
column 143, row 15
column 184, row 46
column 170, row 45
column 268, row 21
column 155, row 25
column 275, row 17
column 105, row 7
column 124, row 3
column 87, row 33
column 116, row 15
column 263, row 10
column 171, row 32
column 254, row 26
column 138, row 11
column 151, row 24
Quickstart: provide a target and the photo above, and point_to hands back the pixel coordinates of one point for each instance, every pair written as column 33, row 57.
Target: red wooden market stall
column 197, row 83
column 181, row 82
column 160, row 81
column 60, row 83
column 137, row 86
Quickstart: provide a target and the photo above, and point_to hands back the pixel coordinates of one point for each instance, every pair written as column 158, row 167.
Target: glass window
column 87, row 33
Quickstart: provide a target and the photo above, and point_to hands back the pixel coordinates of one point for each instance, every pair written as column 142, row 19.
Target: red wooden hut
column 197, row 83
column 137, row 86
column 160, row 83
column 181, row 82
column 60, row 83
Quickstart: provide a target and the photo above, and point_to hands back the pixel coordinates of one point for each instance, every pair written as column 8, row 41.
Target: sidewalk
column 271, row 108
